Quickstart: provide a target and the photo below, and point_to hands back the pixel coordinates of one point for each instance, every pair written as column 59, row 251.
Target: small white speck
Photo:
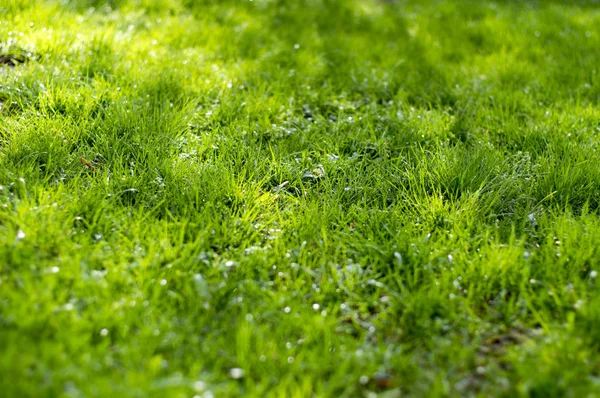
column 363, row 380
column 20, row 235
column 236, row 373
column 480, row 370
column 288, row 345
column 323, row 313
column 163, row 282
column 290, row 360
column 262, row 358
column 532, row 281
column 316, row 306
column 54, row 270
column 287, row 310
column 199, row 386
column 593, row 274
column 296, row 46
column 104, row 332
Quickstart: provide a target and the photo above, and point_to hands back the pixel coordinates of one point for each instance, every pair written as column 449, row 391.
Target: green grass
column 339, row 198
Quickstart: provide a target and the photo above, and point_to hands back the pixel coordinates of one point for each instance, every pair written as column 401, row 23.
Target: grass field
column 295, row 198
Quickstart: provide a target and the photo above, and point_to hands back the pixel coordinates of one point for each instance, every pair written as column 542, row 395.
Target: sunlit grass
column 299, row 198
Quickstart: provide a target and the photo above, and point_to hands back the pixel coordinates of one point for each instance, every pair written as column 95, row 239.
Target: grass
column 299, row 198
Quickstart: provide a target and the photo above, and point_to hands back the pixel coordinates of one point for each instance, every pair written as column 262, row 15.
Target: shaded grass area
column 275, row 198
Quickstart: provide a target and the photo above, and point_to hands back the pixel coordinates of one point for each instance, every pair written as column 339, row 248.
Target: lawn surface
column 299, row 198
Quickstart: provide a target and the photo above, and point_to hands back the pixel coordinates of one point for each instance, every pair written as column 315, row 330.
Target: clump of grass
column 329, row 198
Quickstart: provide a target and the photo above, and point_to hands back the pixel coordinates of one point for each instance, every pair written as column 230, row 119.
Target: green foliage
column 338, row 197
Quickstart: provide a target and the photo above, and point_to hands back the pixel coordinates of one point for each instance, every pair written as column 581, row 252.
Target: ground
column 299, row 198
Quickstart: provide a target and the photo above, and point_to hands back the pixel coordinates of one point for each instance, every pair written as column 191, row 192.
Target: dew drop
column 236, row 373
column 199, row 386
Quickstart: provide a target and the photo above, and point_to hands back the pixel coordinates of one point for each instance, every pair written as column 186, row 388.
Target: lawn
column 319, row 198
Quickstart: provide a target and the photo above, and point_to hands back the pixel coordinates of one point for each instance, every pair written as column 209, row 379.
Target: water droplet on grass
column 236, row 373
column 199, row 386
column 316, row 306
column 104, row 332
